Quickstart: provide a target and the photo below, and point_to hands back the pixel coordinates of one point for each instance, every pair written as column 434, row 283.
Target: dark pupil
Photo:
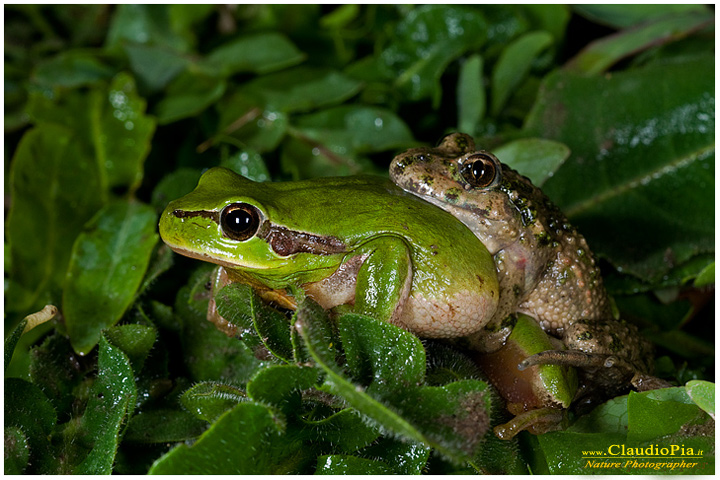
column 240, row 221
column 480, row 173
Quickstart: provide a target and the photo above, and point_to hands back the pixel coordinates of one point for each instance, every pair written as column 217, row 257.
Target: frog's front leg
column 384, row 280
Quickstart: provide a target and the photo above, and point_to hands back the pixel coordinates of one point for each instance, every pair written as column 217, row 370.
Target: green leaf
column 258, row 53
column 377, row 355
column 703, row 394
column 650, row 418
column 405, row 458
column 471, row 94
column 301, row 89
column 246, row 120
column 174, row 185
column 706, row 276
column 28, row 410
column 280, row 386
column 243, row 441
column 209, row 400
column 209, row 353
column 163, row 425
column 248, row 163
column 536, row 158
column 351, row 465
column 111, row 402
column 188, row 95
column 121, row 133
column 110, row 124
column 655, row 137
column 425, row 42
column 452, row 419
column 17, row 451
column 344, row 431
column 623, row 15
column 134, row 340
column 332, row 141
column 144, row 24
column 58, row 371
column 71, row 69
column 12, row 340
column 107, row 266
column 603, row 53
column 513, row 65
column 155, row 66
column 50, row 176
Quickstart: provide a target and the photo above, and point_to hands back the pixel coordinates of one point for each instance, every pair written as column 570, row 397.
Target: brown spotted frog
column 545, row 270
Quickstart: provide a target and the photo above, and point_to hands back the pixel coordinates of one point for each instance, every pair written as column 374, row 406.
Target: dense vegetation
column 112, row 111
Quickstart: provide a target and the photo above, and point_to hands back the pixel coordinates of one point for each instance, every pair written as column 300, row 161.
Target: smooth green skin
column 400, row 234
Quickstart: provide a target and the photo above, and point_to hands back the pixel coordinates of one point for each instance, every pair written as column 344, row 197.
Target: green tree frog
column 361, row 242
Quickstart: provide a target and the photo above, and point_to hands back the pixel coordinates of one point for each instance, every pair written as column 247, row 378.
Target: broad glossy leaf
column 28, row 410
column 155, row 66
column 110, row 124
column 174, row 185
column 650, row 418
column 623, row 15
column 71, row 69
column 552, row 18
column 55, row 186
column 640, row 180
column 245, row 119
column 248, row 163
column 659, row 419
column 258, row 53
column 243, row 441
column 187, row 95
column 426, row 41
column 513, row 65
column 111, row 402
column 471, row 94
column 332, row 141
column 108, row 263
column 605, row 52
column 144, row 24
column 536, row 158
column 706, row 276
column 703, row 394
column 301, row 89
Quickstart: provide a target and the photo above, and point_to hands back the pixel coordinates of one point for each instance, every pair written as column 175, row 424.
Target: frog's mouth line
column 282, row 240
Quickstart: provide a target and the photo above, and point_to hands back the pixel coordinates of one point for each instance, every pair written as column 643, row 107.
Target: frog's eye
column 481, row 169
column 240, row 221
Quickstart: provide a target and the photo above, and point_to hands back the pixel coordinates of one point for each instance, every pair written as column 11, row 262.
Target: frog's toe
column 537, row 421
column 571, row 358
